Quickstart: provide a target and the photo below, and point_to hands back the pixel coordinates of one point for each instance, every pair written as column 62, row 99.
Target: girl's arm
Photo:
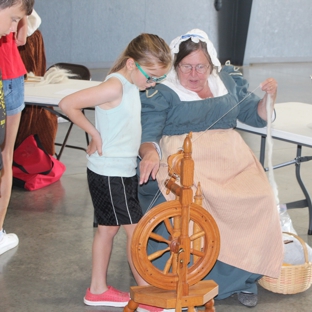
column 106, row 95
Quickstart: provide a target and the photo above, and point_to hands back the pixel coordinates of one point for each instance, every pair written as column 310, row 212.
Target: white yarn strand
column 248, row 94
column 270, row 148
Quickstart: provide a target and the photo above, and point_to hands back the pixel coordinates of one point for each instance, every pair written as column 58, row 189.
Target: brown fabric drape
column 33, row 54
column 36, row 120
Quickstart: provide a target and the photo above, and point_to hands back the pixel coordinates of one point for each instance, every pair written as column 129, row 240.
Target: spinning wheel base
column 200, row 294
column 192, row 253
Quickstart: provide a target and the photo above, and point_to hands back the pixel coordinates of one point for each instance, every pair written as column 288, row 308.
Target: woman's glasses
column 187, row 68
column 149, row 78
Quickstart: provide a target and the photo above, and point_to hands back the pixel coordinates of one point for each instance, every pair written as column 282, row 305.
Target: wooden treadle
column 199, row 294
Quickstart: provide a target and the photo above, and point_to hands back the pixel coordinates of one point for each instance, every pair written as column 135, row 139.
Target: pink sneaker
column 111, row 298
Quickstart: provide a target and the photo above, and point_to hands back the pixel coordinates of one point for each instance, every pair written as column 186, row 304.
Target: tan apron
column 238, row 195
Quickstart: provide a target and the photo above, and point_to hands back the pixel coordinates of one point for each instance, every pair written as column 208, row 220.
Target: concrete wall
column 94, row 32
column 280, row 31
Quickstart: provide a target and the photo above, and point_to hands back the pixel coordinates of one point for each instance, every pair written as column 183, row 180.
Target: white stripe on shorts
column 126, row 201
column 111, row 197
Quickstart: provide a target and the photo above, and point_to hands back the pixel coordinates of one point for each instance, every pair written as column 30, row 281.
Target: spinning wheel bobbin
column 191, row 256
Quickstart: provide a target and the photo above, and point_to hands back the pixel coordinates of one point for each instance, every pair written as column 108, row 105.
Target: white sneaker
column 8, row 242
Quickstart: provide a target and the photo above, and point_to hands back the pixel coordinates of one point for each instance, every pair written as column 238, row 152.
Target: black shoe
column 247, row 299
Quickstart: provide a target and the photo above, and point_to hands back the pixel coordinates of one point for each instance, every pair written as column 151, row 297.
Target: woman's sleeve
column 154, row 115
column 248, row 106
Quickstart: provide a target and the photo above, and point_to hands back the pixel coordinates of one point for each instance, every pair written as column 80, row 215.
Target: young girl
column 112, row 153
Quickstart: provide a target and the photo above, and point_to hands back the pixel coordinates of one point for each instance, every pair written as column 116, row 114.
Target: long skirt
column 239, row 197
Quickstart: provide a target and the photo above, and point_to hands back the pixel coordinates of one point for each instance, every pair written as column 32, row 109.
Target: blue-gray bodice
column 165, row 114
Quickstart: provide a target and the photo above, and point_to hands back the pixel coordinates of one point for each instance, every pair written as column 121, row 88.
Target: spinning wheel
column 202, row 255
column 190, row 242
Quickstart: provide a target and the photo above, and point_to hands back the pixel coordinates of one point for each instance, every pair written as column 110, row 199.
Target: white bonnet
column 33, row 22
column 196, row 35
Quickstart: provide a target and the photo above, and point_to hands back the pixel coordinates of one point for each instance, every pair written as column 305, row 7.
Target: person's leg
column 129, row 228
column 12, row 123
column 7, row 241
column 14, row 99
column 99, row 293
column 140, row 281
column 101, row 252
column 232, row 280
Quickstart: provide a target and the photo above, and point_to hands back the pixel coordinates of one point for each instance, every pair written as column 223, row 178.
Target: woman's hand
column 95, row 145
column 149, row 164
column 269, row 86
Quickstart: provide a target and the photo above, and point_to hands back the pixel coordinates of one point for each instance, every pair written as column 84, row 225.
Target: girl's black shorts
column 115, row 199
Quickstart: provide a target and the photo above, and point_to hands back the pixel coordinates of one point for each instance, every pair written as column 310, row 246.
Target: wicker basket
column 293, row 278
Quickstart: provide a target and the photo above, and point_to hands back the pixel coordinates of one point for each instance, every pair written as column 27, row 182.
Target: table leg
column 307, row 202
column 300, row 203
column 262, row 150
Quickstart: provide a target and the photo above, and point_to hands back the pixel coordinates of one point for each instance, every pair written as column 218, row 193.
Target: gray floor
column 51, row 268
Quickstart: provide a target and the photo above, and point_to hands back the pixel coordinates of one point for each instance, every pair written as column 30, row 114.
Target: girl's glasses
column 187, row 68
column 149, row 78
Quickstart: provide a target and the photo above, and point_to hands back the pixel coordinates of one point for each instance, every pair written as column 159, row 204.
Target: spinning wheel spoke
column 157, row 254
column 197, row 253
column 197, row 235
column 159, row 238
column 169, row 226
column 168, row 264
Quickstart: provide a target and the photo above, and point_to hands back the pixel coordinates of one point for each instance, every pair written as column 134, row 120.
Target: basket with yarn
column 294, row 278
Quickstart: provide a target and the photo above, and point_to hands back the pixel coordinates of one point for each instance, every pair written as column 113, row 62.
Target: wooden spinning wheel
column 189, row 240
column 202, row 255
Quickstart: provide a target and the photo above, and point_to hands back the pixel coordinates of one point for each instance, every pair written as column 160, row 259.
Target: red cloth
column 11, row 63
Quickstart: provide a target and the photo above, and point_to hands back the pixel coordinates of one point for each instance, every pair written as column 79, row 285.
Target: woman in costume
column 200, row 96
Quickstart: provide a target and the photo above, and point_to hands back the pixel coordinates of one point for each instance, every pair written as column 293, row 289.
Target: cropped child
column 12, row 12
column 112, row 153
column 2, row 121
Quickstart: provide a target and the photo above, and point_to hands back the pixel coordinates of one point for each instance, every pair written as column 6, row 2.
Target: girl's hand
column 95, row 145
column 149, row 165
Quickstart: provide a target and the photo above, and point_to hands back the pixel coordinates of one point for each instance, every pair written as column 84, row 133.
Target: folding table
column 293, row 124
column 50, row 95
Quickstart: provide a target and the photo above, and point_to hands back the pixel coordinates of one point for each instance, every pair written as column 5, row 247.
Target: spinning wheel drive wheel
column 203, row 254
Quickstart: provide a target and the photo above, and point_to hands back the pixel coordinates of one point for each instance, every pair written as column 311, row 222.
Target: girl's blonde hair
column 146, row 49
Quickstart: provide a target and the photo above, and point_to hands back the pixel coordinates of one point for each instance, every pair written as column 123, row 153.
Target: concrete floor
column 51, row 268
